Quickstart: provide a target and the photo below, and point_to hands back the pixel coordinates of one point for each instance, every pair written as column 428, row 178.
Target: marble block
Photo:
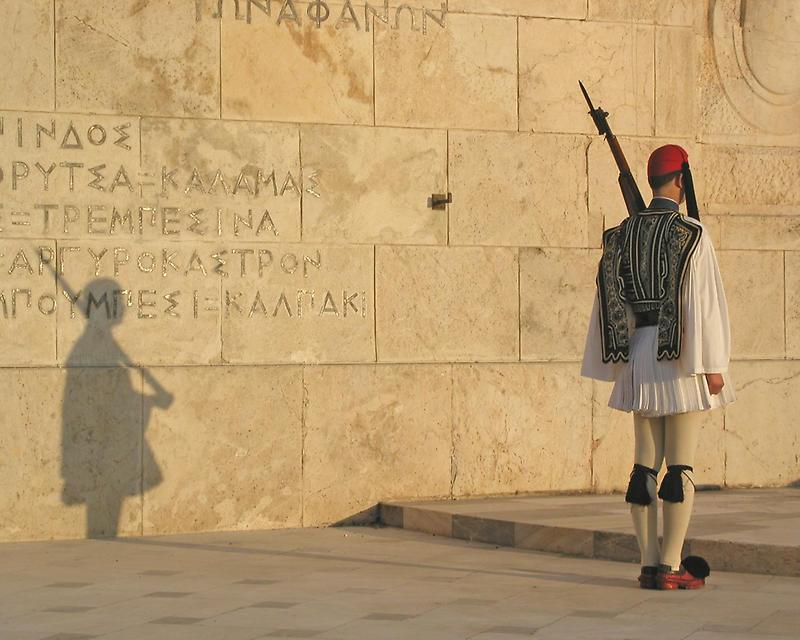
column 539, row 8
column 428, row 521
column 518, row 189
column 778, row 232
column 792, row 279
column 375, row 184
column 309, row 303
column 748, row 78
column 520, row 427
column 144, row 303
column 446, row 304
column 673, row 12
column 755, row 290
column 65, row 174
column 148, row 58
column 676, row 70
column 750, row 179
column 72, row 443
column 464, row 76
column 296, row 73
column 28, row 302
column 373, row 433
column 717, row 119
column 709, row 461
column 761, row 433
column 26, row 44
column 223, row 465
column 612, row 442
column 557, row 288
column 614, row 61
column 249, row 170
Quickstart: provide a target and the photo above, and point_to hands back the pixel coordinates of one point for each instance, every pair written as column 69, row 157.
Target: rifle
column 630, row 191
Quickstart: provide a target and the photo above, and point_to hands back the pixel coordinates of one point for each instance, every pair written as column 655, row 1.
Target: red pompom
column 697, row 566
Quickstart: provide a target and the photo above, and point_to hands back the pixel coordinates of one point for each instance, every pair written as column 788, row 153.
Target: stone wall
column 226, row 303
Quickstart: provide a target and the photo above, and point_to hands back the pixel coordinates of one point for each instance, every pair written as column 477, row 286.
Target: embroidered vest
column 644, row 264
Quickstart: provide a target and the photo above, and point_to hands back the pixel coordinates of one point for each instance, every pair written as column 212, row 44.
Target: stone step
column 748, row 531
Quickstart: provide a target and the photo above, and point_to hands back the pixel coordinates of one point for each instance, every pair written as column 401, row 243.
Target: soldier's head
column 665, row 171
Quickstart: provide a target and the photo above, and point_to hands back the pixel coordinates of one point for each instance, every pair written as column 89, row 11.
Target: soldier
column 659, row 330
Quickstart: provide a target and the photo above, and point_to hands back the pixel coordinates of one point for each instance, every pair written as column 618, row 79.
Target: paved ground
column 361, row 583
column 750, row 530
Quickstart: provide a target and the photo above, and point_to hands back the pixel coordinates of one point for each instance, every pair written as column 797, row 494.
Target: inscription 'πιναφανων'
column 345, row 15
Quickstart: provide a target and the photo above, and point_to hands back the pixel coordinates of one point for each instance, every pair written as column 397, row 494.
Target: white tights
column 673, row 437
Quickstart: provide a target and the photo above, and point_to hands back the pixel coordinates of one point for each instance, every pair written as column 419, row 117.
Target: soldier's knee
column 641, row 487
column 676, row 483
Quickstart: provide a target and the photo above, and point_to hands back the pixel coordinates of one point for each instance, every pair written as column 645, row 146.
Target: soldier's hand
column 715, row 383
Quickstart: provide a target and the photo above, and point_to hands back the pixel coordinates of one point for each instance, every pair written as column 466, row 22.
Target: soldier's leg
column 677, row 488
column 648, row 456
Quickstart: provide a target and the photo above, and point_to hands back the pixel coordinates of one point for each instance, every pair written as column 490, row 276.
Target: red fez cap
column 666, row 159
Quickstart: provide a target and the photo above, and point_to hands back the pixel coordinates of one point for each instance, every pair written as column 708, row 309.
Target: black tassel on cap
column 697, row 566
column 672, row 485
column 688, row 190
column 637, row 487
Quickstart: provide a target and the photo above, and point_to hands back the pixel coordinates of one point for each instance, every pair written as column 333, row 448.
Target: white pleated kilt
column 652, row 388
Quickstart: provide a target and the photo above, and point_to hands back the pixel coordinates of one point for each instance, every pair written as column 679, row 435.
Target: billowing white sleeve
column 706, row 344
column 593, row 365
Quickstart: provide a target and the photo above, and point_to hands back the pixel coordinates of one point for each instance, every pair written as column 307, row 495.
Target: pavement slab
column 362, row 582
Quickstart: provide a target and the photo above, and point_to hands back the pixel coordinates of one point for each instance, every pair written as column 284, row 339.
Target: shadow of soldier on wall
column 106, row 409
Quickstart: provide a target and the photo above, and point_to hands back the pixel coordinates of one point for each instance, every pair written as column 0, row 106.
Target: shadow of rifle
column 162, row 398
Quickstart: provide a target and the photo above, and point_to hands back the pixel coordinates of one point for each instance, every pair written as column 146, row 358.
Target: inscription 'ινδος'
column 31, row 132
column 346, row 14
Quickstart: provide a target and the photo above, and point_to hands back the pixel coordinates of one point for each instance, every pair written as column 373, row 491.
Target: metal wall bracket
column 437, row 201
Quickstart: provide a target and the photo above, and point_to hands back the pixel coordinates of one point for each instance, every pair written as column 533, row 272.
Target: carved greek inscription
column 80, row 176
column 346, row 15
column 252, row 275
column 253, row 181
column 149, row 304
column 66, row 135
column 50, row 219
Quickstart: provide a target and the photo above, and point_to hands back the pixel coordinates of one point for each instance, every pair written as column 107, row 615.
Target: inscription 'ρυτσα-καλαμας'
column 44, row 175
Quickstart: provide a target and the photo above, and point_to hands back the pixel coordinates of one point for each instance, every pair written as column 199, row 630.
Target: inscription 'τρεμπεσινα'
column 53, row 220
